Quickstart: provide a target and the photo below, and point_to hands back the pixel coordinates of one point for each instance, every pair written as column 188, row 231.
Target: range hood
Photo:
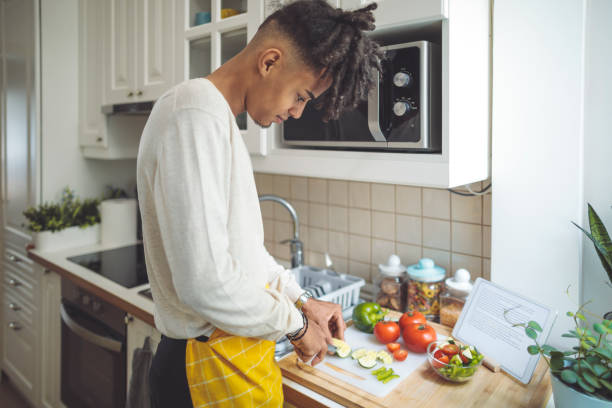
column 136, row 108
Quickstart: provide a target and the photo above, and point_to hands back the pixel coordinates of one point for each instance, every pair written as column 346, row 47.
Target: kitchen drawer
column 15, row 308
column 15, row 283
column 19, row 262
column 19, row 353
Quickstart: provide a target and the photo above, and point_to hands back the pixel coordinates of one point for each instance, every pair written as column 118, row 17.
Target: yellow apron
column 233, row 371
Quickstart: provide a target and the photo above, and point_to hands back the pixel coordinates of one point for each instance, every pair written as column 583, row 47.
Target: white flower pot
column 48, row 241
column 567, row 397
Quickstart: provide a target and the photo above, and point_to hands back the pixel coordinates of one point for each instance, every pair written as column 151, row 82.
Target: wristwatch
column 302, row 299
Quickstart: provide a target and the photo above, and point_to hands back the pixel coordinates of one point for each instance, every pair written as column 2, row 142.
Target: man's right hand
column 314, row 343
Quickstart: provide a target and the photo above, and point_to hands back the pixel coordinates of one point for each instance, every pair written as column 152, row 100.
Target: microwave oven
column 402, row 112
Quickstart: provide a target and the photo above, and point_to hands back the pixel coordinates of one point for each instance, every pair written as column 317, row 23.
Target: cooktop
column 125, row 265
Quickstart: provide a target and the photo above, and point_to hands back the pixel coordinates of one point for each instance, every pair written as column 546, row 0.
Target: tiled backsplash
column 361, row 224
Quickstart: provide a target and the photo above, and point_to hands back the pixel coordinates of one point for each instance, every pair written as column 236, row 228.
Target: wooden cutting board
column 424, row 388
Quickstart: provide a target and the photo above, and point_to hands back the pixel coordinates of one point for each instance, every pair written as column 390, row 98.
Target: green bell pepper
column 366, row 315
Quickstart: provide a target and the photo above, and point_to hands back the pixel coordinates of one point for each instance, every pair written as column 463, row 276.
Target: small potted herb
column 69, row 223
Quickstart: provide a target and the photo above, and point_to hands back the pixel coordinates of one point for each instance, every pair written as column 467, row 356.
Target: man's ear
column 269, row 60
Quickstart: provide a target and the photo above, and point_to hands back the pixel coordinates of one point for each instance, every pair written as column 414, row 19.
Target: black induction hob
column 125, row 265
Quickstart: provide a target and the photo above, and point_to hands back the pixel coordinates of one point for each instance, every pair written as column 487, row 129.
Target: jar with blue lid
column 425, row 283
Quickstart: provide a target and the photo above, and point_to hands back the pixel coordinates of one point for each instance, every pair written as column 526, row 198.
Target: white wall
column 537, row 150
column 62, row 162
column 597, row 145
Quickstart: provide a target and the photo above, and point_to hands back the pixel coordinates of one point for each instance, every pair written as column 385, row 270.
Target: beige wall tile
column 381, row 250
column 301, row 208
column 359, row 248
column 360, row 269
column 265, row 183
column 408, row 200
column 466, row 209
column 299, row 188
column 282, row 230
column 409, row 254
column 305, row 237
column 436, row 203
column 486, row 241
column 267, row 209
column 436, row 234
column 338, row 244
column 486, row 268
column 338, row 218
column 471, row 263
column 317, row 215
column 486, row 209
column 441, row 258
column 271, row 248
column 383, row 197
column 408, row 229
column 359, row 194
column 467, row 238
column 383, row 225
column 282, row 252
column 281, row 213
column 315, row 259
column 282, row 186
column 340, row 264
column 359, row 221
column 338, row 192
column 317, row 190
column 317, row 239
column 268, row 230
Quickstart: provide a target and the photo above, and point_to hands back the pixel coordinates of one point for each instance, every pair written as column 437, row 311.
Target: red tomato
column 450, row 349
column 440, row 362
column 411, row 318
column 438, row 354
column 464, row 358
column 386, row 332
column 418, row 336
column 393, row 346
column 400, row 355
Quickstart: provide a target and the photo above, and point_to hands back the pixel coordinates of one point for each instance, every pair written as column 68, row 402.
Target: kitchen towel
column 138, row 394
column 118, row 221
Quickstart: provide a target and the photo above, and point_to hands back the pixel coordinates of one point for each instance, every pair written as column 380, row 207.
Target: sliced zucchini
column 357, row 354
column 385, row 357
column 343, row 350
column 367, row 361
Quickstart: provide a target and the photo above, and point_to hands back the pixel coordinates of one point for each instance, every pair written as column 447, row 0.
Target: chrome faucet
column 297, row 247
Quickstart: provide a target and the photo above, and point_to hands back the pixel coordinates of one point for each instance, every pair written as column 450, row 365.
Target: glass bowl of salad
column 453, row 361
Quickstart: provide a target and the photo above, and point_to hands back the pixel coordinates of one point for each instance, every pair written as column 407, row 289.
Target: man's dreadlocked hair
column 333, row 39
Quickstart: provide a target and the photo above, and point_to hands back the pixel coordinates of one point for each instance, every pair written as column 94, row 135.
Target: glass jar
column 390, row 285
column 425, row 283
column 452, row 300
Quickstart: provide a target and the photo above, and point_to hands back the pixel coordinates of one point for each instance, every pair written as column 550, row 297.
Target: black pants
column 167, row 377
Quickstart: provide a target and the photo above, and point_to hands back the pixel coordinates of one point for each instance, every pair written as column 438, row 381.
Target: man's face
column 283, row 92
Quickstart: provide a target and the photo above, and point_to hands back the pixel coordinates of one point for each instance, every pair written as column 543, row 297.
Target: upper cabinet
column 140, row 49
column 213, row 33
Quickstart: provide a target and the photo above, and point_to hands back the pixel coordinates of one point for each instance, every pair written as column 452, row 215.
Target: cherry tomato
column 438, row 354
column 450, row 349
column 386, row 332
column 393, row 346
column 440, row 362
column 400, row 355
column 464, row 358
column 418, row 336
column 411, row 318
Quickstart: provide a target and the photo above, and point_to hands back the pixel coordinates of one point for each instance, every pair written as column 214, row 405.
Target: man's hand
column 328, row 316
column 313, row 343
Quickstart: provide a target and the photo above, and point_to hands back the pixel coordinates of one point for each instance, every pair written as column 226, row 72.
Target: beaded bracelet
column 297, row 335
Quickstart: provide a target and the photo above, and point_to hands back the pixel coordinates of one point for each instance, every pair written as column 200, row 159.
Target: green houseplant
column 70, row 222
column 582, row 376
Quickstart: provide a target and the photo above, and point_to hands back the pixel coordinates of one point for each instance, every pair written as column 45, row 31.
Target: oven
column 93, row 359
column 402, row 113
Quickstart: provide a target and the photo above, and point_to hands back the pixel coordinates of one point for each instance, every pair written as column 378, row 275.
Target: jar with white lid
column 390, row 284
column 452, row 300
column 425, row 283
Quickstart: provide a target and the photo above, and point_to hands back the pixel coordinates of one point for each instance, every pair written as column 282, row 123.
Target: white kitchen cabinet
column 463, row 30
column 207, row 46
column 139, row 49
column 137, row 332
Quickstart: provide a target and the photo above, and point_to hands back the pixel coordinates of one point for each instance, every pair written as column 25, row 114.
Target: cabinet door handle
column 139, row 93
column 14, row 307
column 14, row 325
column 14, row 283
column 13, row 258
column 130, row 94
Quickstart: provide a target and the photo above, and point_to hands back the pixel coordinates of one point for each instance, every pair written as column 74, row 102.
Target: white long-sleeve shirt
column 201, row 223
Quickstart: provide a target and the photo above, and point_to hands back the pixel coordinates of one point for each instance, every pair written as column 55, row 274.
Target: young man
column 221, row 301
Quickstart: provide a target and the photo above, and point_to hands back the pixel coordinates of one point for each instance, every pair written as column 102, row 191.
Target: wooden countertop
column 424, row 388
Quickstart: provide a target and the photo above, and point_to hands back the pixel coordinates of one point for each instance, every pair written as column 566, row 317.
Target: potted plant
column 582, row 376
column 69, row 223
